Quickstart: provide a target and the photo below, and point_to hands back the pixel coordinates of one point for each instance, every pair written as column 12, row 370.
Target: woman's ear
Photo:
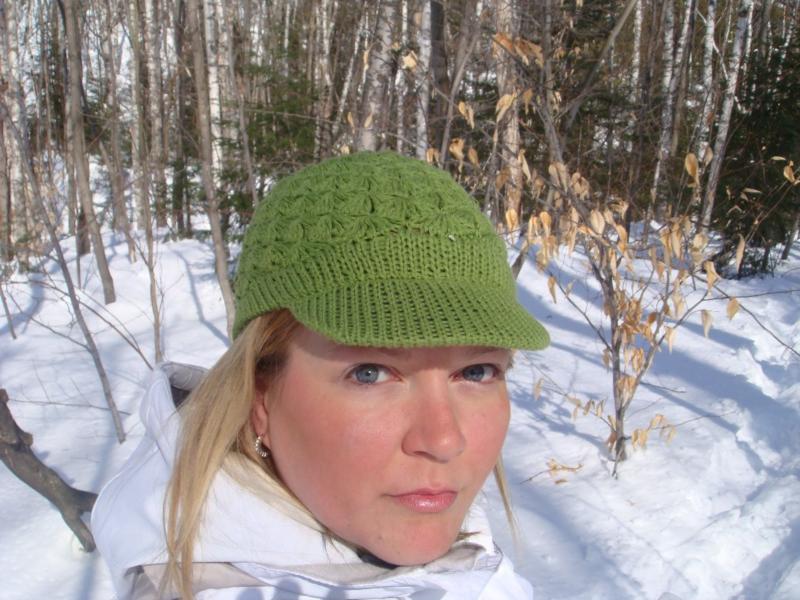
column 259, row 414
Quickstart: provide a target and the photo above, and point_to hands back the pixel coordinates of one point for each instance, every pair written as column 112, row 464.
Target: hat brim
column 403, row 314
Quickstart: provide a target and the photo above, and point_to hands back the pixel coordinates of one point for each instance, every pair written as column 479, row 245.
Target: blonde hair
column 216, row 433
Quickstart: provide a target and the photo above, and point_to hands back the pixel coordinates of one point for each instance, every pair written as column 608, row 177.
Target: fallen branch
column 16, row 454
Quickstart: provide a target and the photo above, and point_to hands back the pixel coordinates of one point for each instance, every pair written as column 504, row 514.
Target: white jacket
column 250, row 550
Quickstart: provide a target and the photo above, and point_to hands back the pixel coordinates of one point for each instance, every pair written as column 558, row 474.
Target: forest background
column 658, row 138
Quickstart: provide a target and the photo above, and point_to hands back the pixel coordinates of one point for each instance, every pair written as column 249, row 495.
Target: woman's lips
column 426, row 501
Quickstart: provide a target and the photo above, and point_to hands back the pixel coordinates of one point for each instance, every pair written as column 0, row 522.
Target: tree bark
column 16, row 454
column 207, row 162
column 6, row 249
column 424, row 80
column 349, row 75
column 667, row 61
column 155, row 97
column 379, row 75
column 21, row 225
column 707, row 87
column 214, row 50
column 181, row 210
column 120, row 221
column 509, row 139
column 80, row 151
column 724, row 120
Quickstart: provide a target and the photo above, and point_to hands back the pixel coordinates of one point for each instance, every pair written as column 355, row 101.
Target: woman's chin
column 419, row 551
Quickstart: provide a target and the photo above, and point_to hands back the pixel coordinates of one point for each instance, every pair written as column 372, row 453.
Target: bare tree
column 724, row 117
column 507, row 89
column 379, row 76
column 79, row 148
column 155, row 97
column 424, row 81
column 207, row 159
column 44, row 215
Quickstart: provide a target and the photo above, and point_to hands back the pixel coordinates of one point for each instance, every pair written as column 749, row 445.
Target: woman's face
column 386, row 447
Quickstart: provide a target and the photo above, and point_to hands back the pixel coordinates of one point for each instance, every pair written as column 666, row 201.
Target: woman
column 337, row 448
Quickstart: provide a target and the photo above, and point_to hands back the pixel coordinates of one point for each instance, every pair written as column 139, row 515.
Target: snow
column 715, row 513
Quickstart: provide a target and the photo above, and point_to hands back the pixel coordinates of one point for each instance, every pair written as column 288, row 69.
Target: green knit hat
column 375, row 249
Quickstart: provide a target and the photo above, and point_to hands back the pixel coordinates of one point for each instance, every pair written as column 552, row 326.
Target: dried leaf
column 526, row 170
column 502, row 177
column 558, row 172
column 527, row 50
column 707, row 320
column 551, row 285
column 733, row 308
column 527, row 96
column 467, row 112
column 537, row 389
column 512, row 220
column 671, row 434
column 692, row 168
column 778, row 158
column 699, row 242
column 708, row 154
column 739, row 252
column 669, row 334
column 546, row 221
column 350, row 120
column 410, row 61
column 597, row 222
column 679, row 302
column 472, row 155
column 368, row 121
column 503, row 105
column 711, row 274
column 504, row 41
column 789, row 173
column 457, row 148
column 533, row 229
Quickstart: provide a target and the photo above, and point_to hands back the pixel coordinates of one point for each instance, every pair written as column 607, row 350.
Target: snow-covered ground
column 713, row 514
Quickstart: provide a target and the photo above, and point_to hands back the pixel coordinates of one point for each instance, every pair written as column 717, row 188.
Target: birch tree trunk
column 238, row 93
column 79, row 148
column 6, row 246
column 181, row 212
column 155, row 98
column 401, row 82
column 120, row 221
column 667, row 62
column 424, row 81
column 680, row 75
column 379, row 75
column 326, row 15
column 707, row 86
column 20, row 225
column 505, row 66
column 213, row 65
column 724, row 119
column 204, row 127
column 349, row 74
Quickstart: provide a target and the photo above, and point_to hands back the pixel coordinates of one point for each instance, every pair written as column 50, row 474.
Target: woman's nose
column 434, row 429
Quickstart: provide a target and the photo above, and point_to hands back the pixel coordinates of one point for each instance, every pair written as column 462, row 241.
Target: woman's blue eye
column 369, row 374
column 479, row 373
